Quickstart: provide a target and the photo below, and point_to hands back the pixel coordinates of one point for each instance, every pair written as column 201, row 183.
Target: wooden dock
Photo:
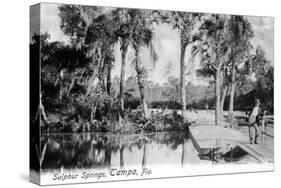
column 210, row 138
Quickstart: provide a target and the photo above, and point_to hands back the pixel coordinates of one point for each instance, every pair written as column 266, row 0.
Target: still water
column 105, row 150
column 75, row 151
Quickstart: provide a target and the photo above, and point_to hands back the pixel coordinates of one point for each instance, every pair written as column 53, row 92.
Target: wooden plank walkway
column 205, row 138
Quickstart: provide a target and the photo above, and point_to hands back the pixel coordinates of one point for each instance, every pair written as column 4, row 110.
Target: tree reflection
column 95, row 150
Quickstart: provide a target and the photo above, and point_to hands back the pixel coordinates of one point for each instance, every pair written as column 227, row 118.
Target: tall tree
column 258, row 82
column 137, row 33
column 141, row 37
column 77, row 23
column 75, row 20
column 214, row 53
column 185, row 23
column 225, row 77
column 239, row 35
column 123, row 33
column 94, row 29
column 101, row 38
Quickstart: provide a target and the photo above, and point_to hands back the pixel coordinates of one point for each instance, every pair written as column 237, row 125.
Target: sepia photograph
column 127, row 93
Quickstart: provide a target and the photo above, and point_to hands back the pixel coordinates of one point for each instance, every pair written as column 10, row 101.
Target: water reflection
column 108, row 150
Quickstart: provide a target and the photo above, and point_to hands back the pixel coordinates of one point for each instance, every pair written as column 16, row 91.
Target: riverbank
column 160, row 121
column 131, row 123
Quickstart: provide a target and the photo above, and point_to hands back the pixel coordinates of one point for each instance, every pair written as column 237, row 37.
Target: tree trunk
column 232, row 92
column 217, row 93
column 224, row 92
column 122, row 79
column 42, row 154
column 122, row 156
column 93, row 111
column 95, row 78
column 61, row 77
column 92, row 85
column 41, row 111
column 71, row 86
column 141, row 86
column 107, row 157
column 99, row 52
column 182, row 153
column 182, row 78
column 108, row 80
column 144, row 157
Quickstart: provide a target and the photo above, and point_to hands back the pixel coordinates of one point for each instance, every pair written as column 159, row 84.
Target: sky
column 166, row 42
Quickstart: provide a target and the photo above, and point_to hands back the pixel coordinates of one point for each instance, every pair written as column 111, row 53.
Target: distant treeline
column 243, row 103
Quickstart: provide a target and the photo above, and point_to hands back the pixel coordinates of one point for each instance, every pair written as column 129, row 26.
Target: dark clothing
column 259, row 116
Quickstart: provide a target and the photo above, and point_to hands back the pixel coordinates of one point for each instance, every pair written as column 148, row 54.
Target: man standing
column 254, row 120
